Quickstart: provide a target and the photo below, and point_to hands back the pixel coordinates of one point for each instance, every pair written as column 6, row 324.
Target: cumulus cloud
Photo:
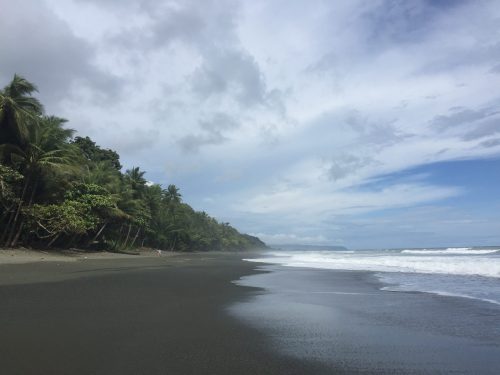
column 212, row 133
column 233, row 73
column 41, row 46
column 291, row 239
column 463, row 116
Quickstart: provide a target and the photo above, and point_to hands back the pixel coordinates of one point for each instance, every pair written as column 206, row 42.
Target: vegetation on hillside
column 57, row 190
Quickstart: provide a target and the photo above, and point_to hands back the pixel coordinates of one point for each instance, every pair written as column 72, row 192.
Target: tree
column 17, row 109
column 135, row 178
column 96, row 154
column 43, row 149
column 172, row 194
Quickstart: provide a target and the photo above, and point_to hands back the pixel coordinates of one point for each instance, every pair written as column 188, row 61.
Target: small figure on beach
column 159, row 252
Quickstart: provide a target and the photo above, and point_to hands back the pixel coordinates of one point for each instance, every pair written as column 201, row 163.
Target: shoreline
column 342, row 318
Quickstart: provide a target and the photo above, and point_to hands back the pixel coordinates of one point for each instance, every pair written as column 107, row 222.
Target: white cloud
column 290, row 239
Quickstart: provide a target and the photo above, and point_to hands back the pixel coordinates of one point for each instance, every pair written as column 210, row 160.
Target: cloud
column 295, row 118
column 40, row 46
column 463, row 116
column 495, row 69
column 212, row 133
column 347, row 164
column 200, row 25
column 312, row 201
column 289, row 239
column 233, row 73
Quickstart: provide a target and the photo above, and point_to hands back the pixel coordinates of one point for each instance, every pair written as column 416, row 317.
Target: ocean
column 466, row 272
column 404, row 311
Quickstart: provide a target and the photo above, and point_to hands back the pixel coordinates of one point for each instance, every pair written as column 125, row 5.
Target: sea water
column 471, row 272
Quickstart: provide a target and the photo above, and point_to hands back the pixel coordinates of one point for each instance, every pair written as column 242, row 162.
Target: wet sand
column 342, row 319
column 133, row 316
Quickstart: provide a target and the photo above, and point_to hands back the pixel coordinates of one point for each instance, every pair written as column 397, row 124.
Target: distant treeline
column 61, row 191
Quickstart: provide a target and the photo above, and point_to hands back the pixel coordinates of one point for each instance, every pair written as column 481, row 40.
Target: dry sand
column 18, row 256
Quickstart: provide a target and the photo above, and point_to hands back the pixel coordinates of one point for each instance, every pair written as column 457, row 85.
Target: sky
column 366, row 124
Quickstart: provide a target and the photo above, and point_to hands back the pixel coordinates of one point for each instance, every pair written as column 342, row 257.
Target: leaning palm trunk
column 128, row 235
column 135, row 238
column 53, row 240
column 30, row 204
column 173, row 244
column 16, row 216
column 100, row 231
column 19, row 231
column 7, row 226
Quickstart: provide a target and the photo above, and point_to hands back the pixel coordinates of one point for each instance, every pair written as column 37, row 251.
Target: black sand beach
column 133, row 316
column 344, row 320
column 183, row 315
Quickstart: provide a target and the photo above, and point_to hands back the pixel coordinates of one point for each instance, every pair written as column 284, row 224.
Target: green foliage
column 70, row 217
column 9, row 183
column 94, row 153
column 17, row 109
column 55, row 191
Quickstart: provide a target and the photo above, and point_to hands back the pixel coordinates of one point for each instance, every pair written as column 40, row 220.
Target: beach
column 133, row 315
column 213, row 313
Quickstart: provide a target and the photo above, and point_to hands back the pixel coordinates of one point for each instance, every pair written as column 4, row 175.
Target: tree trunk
column 30, row 204
column 100, row 231
column 7, row 226
column 53, row 240
column 14, row 241
column 173, row 245
column 21, row 201
column 135, row 238
column 126, row 238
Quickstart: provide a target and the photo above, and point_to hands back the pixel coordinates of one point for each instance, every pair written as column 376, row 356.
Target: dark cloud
column 491, row 143
column 495, row 69
column 231, row 72
column 375, row 133
column 197, row 24
column 207, row 29
column 40, row 46
column 346, row 165
column 392, row 21
column 134, row 140
column 483, row 53
column 219, row 122
column 212, row 133
column 326, row 63
column 462, row 116
column 483, row 129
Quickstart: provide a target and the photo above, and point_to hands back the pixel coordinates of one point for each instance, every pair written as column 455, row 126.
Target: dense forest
column 62, row 191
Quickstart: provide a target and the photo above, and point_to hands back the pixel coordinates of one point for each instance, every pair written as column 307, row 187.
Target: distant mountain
column 292, row 247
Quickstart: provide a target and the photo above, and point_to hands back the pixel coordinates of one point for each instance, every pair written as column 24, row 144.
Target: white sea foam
column 452, row 251
column 448, row 294
column 458, row 272
column 482, row 264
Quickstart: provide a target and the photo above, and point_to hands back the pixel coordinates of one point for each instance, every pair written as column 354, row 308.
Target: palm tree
column 45, row 148
column 135, row 177
column 17, row 108
column 172, row 194
column 102, row 173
